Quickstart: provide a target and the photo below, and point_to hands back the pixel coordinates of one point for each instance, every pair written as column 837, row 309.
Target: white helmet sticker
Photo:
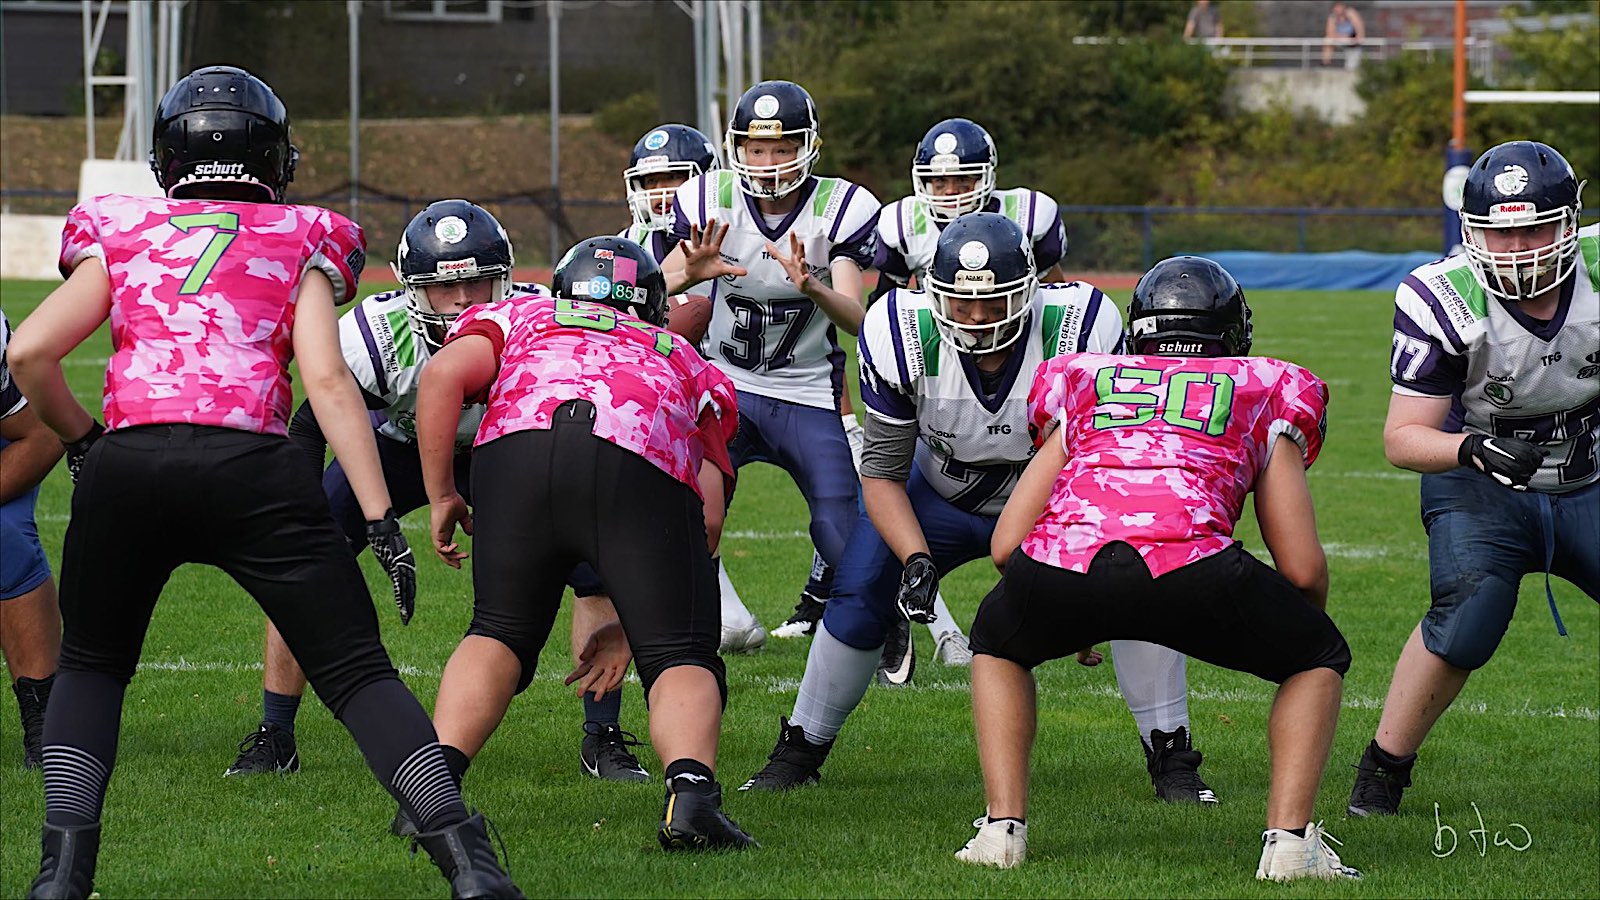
column 945, row 143
column 973, row 255
column 1511, row 181
column 450, row 229
column 766, row 106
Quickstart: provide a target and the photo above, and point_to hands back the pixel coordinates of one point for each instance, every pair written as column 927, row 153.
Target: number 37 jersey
column 768, row 337
column 203, row 298
column 1161, row 450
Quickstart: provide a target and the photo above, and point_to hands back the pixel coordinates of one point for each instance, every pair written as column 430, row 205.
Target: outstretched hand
column 702, row 254
column 603, row 661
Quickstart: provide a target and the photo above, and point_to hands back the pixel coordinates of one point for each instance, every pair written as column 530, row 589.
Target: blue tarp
column 1350, row 270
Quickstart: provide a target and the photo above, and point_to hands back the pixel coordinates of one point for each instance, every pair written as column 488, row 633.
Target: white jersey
column 1507, row 374
column 658, row 243
column 907, row 236
column 973, row 447
column 11, row 399
column 386, row 353
column 769, row 338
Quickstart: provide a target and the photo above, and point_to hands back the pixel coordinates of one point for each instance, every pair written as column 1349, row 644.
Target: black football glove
column 1510, row 461
column 919, row 585
column 78, row 450
column 394, row 554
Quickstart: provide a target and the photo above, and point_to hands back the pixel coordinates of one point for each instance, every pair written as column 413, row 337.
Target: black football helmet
column 982, row 256
column 1517, row 185
column 616, row 272
column 222, row 133
column 451, row 240
column 670, row 149
column 1188, row 306
column 958, row 148
column 773, row 109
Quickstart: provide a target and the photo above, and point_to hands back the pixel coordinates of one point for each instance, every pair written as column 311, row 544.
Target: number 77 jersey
column 203, row 297
column 1162, row 451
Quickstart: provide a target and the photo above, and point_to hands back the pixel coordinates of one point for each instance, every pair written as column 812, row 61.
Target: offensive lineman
column 1496, row 372
column 944, row 376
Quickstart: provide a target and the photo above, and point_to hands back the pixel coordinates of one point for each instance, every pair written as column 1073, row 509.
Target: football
column 689, row 315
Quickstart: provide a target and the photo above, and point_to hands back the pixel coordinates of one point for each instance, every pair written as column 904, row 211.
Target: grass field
column 1522, row 743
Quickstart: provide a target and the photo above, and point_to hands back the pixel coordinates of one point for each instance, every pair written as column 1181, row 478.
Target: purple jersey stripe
column 1052, row 248
column 1437, row 308
column 372, row 351
column 1086, row 329
column 1033, row 200
column 844, row 206
column 895, row 338
column 836, row 358
column 901, row 211
column 680, row 219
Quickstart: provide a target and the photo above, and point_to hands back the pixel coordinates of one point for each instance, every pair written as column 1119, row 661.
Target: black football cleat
column 794, row 762
column 1174, row 768
column 466, row 859
column 694, row 820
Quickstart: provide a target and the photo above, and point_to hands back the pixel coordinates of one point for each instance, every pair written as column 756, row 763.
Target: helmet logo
column 456, row 266
column 973, row 255
column 766, row 106
column 1512, row 180
column 219, row 168
column 450, row 230
column 945, row 143
column 655, row 140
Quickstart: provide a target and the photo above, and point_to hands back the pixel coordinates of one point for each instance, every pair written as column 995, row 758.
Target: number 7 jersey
column 1162, row 450
column 203, row 298
column 765, row 334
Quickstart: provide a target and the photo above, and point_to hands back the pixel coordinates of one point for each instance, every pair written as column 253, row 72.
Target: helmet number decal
column 227, row 225
column 1172, row 401
column 598, row 317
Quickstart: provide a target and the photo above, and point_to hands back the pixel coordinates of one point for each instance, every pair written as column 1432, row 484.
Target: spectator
column 1345, row 29
column 1203, row 22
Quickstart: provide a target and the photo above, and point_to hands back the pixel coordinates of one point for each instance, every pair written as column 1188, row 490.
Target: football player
column 30, row 631
column 211, row 291
column 604, row 441
column 1125, row 518
column 1496, row 371
column 785, row 250
column 944, row 378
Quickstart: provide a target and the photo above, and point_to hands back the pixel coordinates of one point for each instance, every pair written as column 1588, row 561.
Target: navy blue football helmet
column 675, row 150
column 451, row 240
column 1517, row 185
column 982, row 257
column 616, row 272
column 773, row 110
column 1188, row 306
column 221, row 133
column 957, row 148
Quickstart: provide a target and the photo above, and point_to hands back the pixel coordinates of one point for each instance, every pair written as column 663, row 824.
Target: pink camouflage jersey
column 650, row 389
column 203, row 297
column 1161, row 451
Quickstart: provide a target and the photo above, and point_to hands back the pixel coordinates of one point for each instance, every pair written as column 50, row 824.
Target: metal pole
column 554, row 10
column 696, row 13
column 1458, row 118
column 1457, row 158
column 733, row 49
column 353, row 11
column 88, row 78
column 755, row 41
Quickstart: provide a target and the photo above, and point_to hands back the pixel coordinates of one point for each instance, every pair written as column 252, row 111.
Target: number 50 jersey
column 973, row 447
column 203, row 297
column 765, row 334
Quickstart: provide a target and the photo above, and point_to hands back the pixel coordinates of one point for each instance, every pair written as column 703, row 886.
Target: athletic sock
column 942, row 620
column 835, row 680
column 279, row 709
column 604, row 711
column 734, row 612
column 401, row 748
column 1155, row 684
column 690, row 775
column 1391, row 762
column 80, row 746
column 457, row 762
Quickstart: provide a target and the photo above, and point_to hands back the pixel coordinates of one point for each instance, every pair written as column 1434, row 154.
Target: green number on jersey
column 598, row 316
column 1171, row 401
column 227, row 225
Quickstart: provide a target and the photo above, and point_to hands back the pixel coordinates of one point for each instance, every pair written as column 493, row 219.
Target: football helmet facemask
column 672, row 150
column 1520, row 184
column 958, row 148
column 982, row 257
column 450, row 241
column 774, row 110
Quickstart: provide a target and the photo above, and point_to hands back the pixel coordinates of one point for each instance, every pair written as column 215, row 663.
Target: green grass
column 1523, row 741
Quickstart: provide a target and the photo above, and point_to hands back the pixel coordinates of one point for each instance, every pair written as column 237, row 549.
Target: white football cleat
column 953, row 649
column 1285, row 857
column 1002, row 843
column 746, row 638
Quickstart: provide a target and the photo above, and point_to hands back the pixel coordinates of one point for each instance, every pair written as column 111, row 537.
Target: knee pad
column 650, row 668
column 1470, row 614
column 526, row 651
column 853, row 623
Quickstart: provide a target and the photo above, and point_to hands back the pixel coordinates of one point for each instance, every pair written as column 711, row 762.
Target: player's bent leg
column 1154, row 683
column 30, row 635
column 604, row 752
column 271, row 748
column 1576, row 520
column 742, row 632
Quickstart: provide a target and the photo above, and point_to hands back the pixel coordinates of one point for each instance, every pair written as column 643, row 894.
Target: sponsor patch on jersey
column 974, row 255
column 1455, row 305
column 1498, row 394
column 655, row 140
column 450, row 229
column 766, row 106
column 1511, row 181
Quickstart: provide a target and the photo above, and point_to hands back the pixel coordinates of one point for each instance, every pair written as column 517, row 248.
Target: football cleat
column 1002, row 843
column 269, row 750
column 67, row 861
column 1285, row 857
column 953, row 649
column 1379, row 787
column 605, row 754
column 794, row 762
column 694, row 820
column 899, row 658
column 401, row 825
column 467, row 860
column 803, row 621
column 746, row 638
column 1174, row 763
column 33, row 695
